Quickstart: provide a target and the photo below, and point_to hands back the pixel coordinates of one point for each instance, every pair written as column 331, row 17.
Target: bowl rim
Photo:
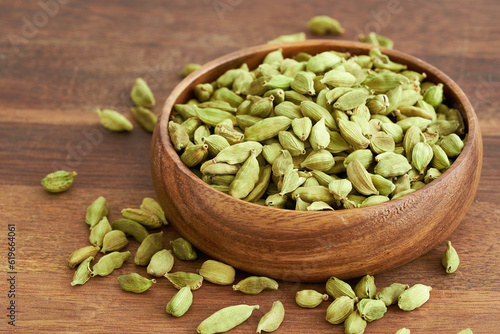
column 452, row 91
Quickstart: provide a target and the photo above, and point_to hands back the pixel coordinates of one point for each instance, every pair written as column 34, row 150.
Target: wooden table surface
column 60, row 60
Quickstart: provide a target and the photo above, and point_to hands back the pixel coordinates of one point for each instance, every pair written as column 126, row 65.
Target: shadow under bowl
column 312, row 246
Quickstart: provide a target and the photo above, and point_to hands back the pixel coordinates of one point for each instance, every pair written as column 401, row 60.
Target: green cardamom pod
column 194, row 155
column 183, row 249
column 354, row 324
column 145, row 117
column 339, row 310
column 291, row 143
column 59, row 181
column 300, row 36
column 303, row 83
column 83, row 273
column 414, row 297
column 450, row 259
column 246, row 177
column 320, row 137
column 389, row 295
column 98, row 232
column 135, row 283
column 316, row 112
column 81, row 254
column 181, row 279
column 185, row 110
column 161, row 263
column 109, row 262
column 180, row 302
column 391, row 165
column 384, row 186
column 452, row 145
column 217, row 272
column 465, row 331
column 319, row 206
column 366, row 287
column 314, row 194
column 360, row 178
column 178, row 135
column 323, row 25
column 149, row 246
column 320, row 160
column 302, row 127
column 142, row 217
column 272, row 320
column 309, row 298
column 371, row 309
column 153, row 207
column 374, row 199
column 254, row 285
column 352, row 133
column 114, row 241
column 323, row 61
column 403, row 331
column 130, row 227
column 96, row 211
column 434, row 95
column 141, row 94
column 431, row 175
column 189, row 68
column 339, row 189
column 288, row 109
column 337, row 288
column 114, row 121
column 267, row 128
column 238, row 153
column 261, row 185
column 226, row 319
column 440, row 159
column 381, row 142
column 203, row 92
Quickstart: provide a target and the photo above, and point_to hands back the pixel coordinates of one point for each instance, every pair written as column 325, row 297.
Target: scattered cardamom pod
column 180, row 302
column 161, row 263
column 389, row 295
column 183, row 249
column 181, row 279
column 143, row 217
column 58, row 182
column 98, row 232
column 371, row 309
column 114, row 121
column 450, row 259
column 465, row 331
column 96, row 211
column 149, row 246
column 135, row 283
column 109, row 262
column 81, row 254
column 272, row 320
column 114, row 240
column 309, row 298
column 83, row 272
column 339, row 310
column 354, row 324
column 226, row 319
column 254, row 285
column 141, row 94
column 366, row 287
column 217, row 272
column 145, row 117
column 414, row 297
column 189, row 68
column 130, row 227
column 403, row 331
column 323, row 25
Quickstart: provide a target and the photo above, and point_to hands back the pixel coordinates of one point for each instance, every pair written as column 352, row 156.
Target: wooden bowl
column 312, row 246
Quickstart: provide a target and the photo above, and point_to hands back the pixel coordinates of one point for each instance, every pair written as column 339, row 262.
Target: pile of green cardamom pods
column 352, row 307
column 318, row 132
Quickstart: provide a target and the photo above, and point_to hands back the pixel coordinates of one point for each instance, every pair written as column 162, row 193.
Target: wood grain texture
column 89, row 54
column 274, row 243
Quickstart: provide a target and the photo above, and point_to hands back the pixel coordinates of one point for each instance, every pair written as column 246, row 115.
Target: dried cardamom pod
column 366, row 287
column 309, row 298
column 352, row 133
column 135, row 283
column 391, row 165
column 145, row 117
column 226, row 319
column 181, row 279
column 440, row 159
column 384, row 186
column 183, row 249
column 434, row 95
column 114, row 121
column 98, row 232
column 314, row 194
column 431, row 175
column 189, row 68
column 291, row 143
column 114, row 240
column 246, row 177
column 354, row 324
column 320, row 160
column 83, row 272
column 261, row 185
column 267, row 128
column 81, row 254
column 421, row 156
column 272, row 320
column 337, row 288
column 203, row 92
column 389, row 295
column 217, row 272
column 142, row 217
column 465, row 331
column 450, row 259
column 254, row 285
column 59, row 181
column 302, row 128
column 339, row 310
column 360, row 178
column 194, row 155
column 303, row 83
column 180, row 302
column 109, row 262
column 161, row 263
column 452, row 145
column 178, row 135
column 374, row 199
column 300, row 36
column 149, row 246
column 323, row 25
column 152, row 206
column 316, row 112
column 323, row 61
column 130, row 227
column 371, row 309
column 96, row 211
column 238, row 153
column 414, row 297
column 403, row 331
